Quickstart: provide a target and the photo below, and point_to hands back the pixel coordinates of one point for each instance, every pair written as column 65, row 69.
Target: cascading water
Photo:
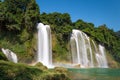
column 101, row 58
column 83, row 49
column 100, row 55
column 44, row 45
column 82, row 52
column 10, row 55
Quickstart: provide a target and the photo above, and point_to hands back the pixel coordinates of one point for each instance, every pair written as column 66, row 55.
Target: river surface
column 95, row 74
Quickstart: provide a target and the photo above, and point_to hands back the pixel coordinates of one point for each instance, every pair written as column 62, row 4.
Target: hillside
column 18, row 20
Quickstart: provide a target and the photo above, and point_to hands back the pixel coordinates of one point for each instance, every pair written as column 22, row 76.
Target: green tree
column 18, row 19
column 14, row 14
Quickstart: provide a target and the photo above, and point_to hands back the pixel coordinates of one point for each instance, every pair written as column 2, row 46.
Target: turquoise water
column 95, row 74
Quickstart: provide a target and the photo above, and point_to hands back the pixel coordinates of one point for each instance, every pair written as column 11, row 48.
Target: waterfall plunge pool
column 94, row 74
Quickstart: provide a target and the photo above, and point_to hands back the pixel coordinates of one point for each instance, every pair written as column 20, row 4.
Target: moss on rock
column 12, row 71
column 41, row 66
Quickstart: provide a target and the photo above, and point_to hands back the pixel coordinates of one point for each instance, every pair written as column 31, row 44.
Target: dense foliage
column 17, row 26
column 18, row 19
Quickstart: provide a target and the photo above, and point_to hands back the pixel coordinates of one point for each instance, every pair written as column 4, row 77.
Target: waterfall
column 10, row 55
column 44, row 45
column 101, row 58
column 83, row 53
column 74, row 50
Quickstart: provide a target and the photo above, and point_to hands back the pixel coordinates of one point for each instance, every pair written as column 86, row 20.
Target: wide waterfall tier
column 44, row 45
column 10, row 55
column 85, row 52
